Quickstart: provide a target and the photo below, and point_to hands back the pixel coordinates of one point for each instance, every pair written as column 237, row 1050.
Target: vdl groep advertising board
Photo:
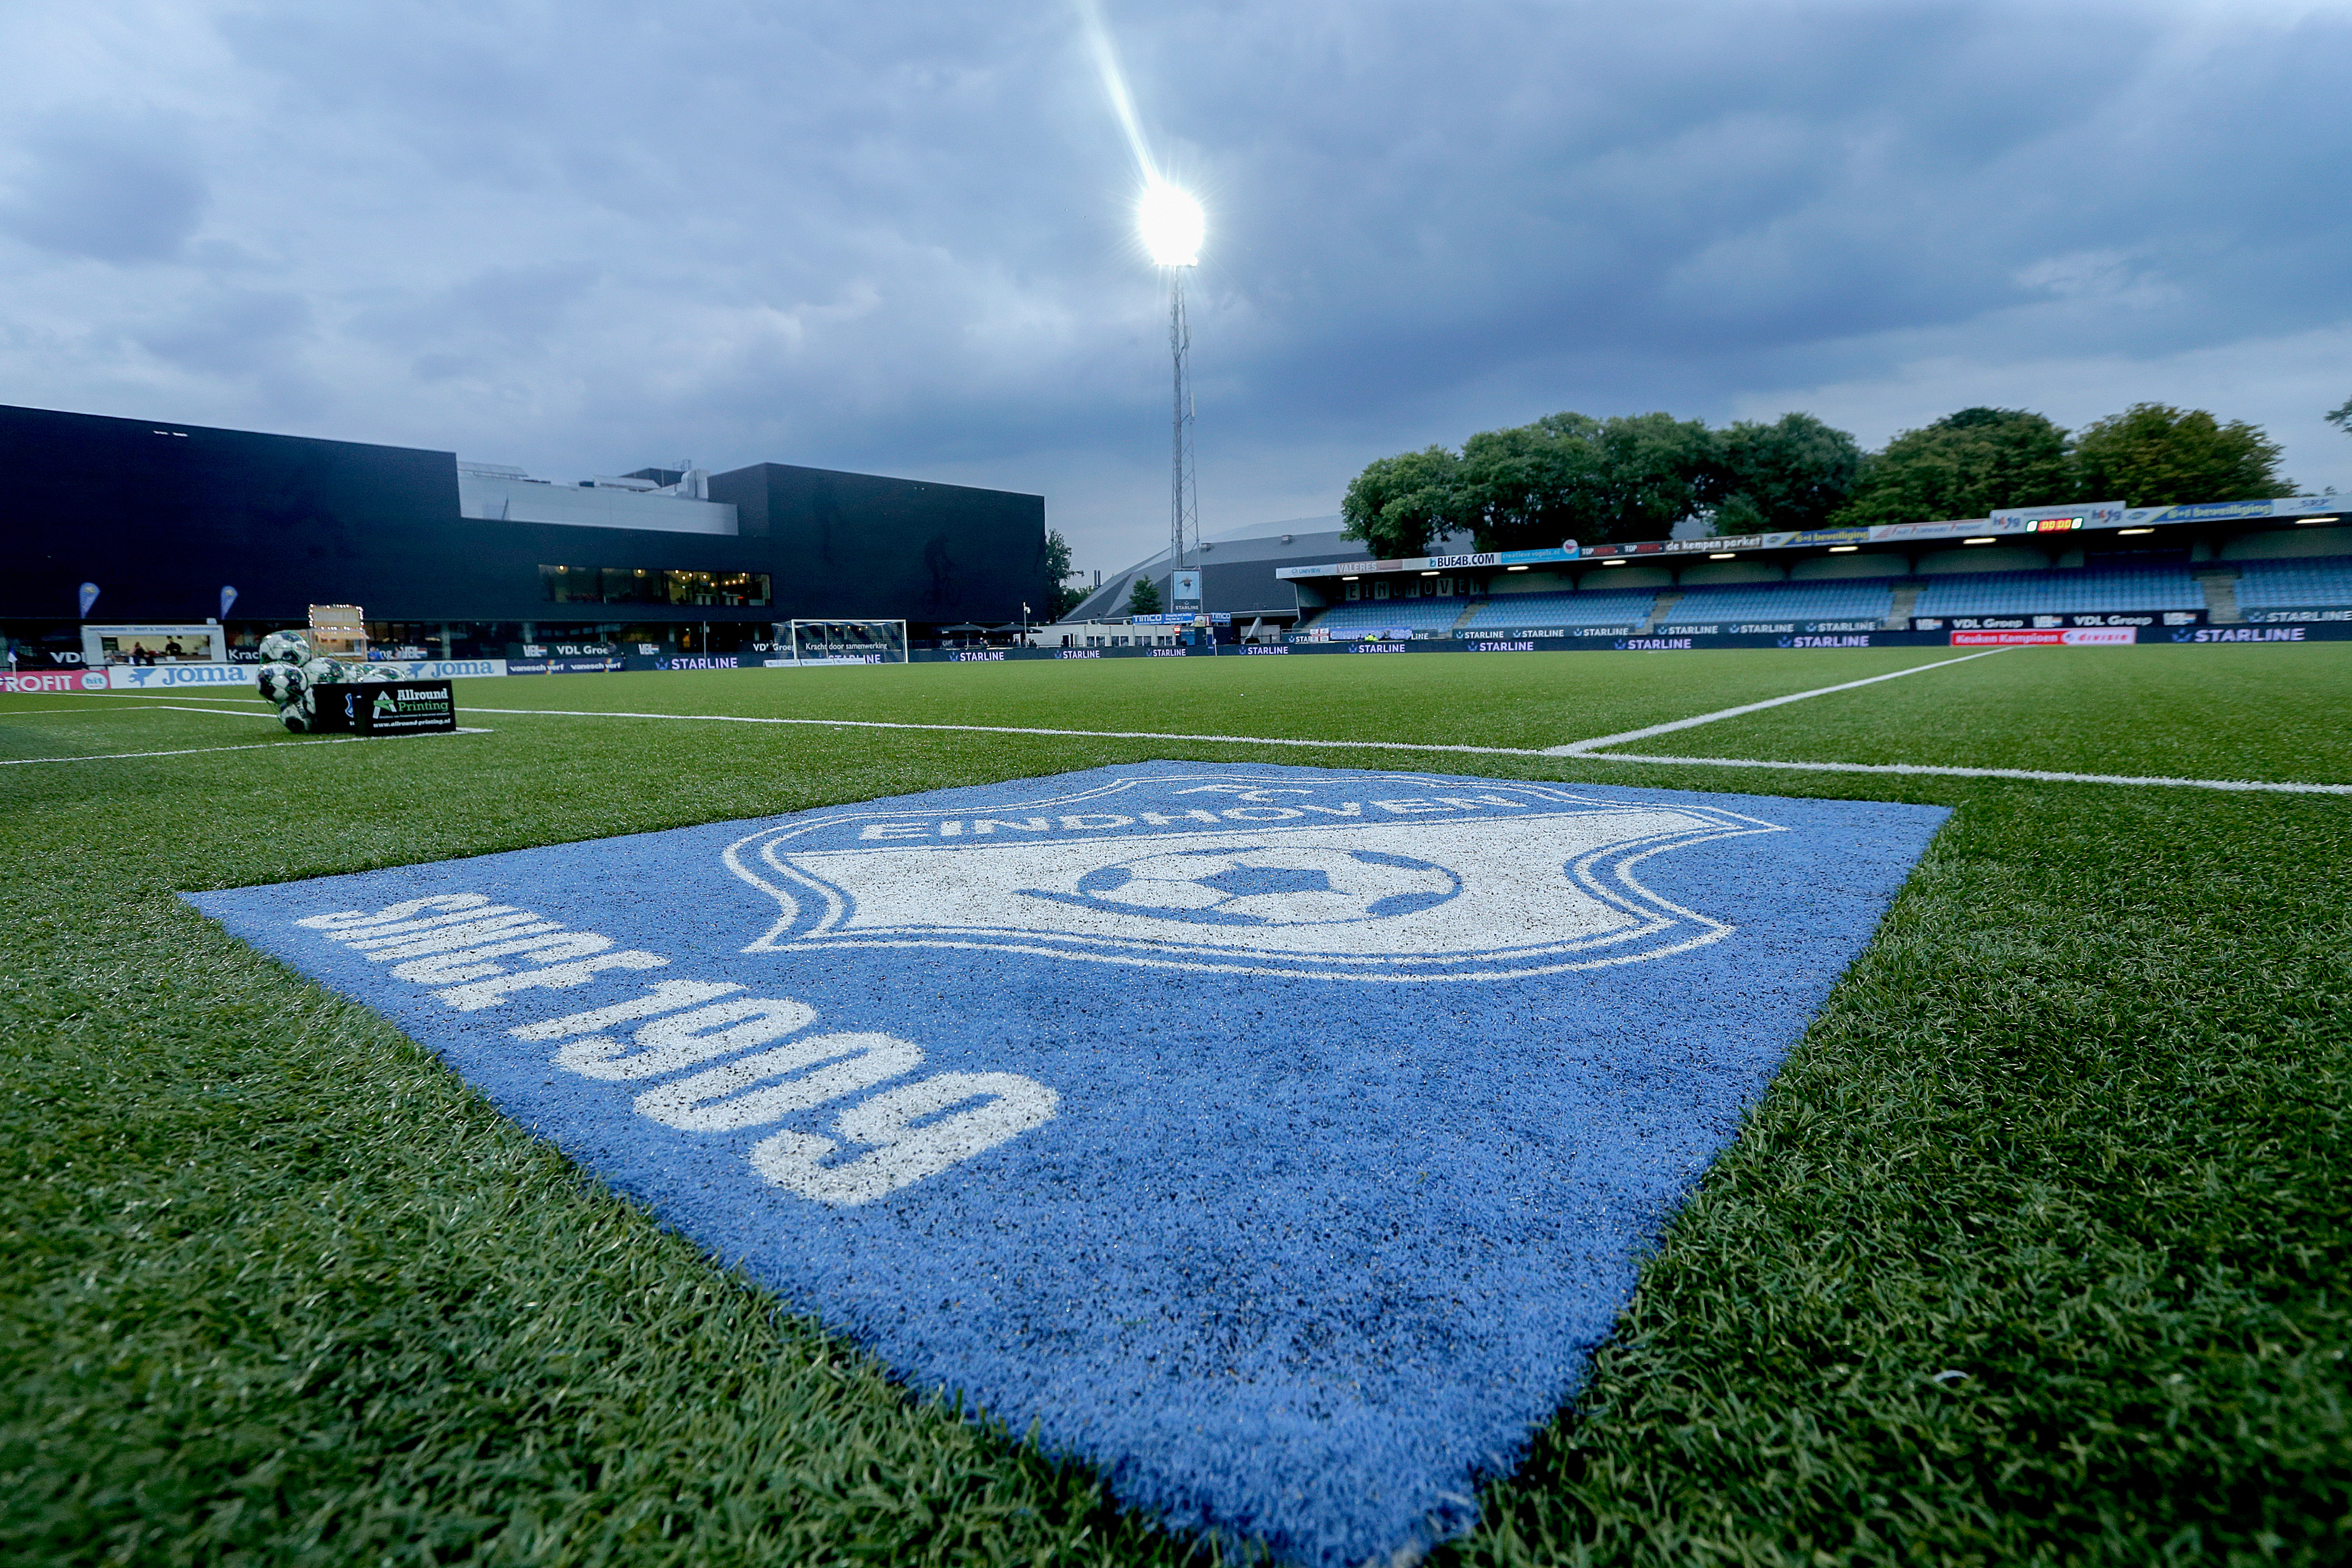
column 1279, row 1140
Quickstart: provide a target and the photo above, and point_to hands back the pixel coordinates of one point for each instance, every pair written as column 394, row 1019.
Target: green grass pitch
column 2040, row 1249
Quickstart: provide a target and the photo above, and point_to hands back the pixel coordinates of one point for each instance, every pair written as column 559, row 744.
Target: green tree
column 1143, row 597
column 1397, row 503
column 1570, row 476
column 2153, row 455
column 1790, row 473
column 2341, row 418
column 1061, row 595
column 1533, row 485
column 1966, row 465
column 1658, row 469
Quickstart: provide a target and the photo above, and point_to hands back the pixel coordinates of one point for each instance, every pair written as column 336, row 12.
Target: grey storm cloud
column 897, row 237
column 110, row 186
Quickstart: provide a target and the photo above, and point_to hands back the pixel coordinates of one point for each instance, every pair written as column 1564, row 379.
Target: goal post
column 847, row 642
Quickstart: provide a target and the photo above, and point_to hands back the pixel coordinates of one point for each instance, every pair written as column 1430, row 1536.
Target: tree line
column 1634, row 477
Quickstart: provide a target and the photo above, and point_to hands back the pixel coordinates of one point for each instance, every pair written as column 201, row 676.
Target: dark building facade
column 161, row 518
column 867, row 547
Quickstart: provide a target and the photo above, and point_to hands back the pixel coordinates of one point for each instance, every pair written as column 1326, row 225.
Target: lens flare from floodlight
column 1172, row 225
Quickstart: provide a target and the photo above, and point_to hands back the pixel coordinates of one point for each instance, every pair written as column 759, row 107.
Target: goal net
column 849, row 642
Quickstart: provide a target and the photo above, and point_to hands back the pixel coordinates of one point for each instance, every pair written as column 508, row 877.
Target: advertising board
column 2334, row 632
column 33, row 681
column 685, row 661
column 385, row 708
column 2081, row 637
column 561, row 650
column 449, row 669
column 2297, row 617
column 557, row 666
column 178, row 678
column 2029, row 623
column 2062, row 520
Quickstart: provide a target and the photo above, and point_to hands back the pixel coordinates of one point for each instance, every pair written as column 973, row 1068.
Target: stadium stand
column 1522, row 611
column 2312, row 583
column 2299, row 582
column 2080, row 590
column 1413, row 614
column 1853, row 599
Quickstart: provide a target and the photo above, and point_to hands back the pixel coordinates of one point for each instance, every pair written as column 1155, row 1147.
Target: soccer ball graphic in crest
column 1265, row 886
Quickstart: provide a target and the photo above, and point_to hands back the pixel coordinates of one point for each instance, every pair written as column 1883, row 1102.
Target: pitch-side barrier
column 187, row 678
column 1667, row 642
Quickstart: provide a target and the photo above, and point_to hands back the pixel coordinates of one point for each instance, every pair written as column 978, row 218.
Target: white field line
column 1010, row 730
column 185, row 751
column 254, row 746
column 118, row 707
column 131, row 699
column 38, row 712
column 1581, row 748
column 2033, row 775
column 141, row 708
column 1555, row 753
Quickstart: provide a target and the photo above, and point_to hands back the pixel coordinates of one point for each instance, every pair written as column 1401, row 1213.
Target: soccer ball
column 285, row 648
column 374, row 672
column 1275, row 884
column 301, row 715
column 319, row 668
column 282, row 683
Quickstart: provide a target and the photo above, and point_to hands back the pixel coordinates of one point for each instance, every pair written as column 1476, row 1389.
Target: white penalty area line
column 1938, row 770
column 252, row 746
column 1584, row 747
column 1554, row 755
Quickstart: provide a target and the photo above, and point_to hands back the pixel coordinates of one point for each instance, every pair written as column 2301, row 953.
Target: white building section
column 493, row 493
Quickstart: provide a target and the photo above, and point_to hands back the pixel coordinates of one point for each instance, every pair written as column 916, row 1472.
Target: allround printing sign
column 1279, row 1140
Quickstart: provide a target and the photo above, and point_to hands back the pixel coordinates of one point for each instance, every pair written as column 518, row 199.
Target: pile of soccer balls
column 290, row 671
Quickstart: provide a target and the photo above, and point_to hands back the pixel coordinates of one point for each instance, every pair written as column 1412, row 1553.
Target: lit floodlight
column 1172, row 225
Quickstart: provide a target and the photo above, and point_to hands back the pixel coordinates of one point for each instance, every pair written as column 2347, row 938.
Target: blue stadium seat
column 1374, row 615
column 1847, row 599
column 2078, row 591
column 1532, row 612
column 2314, row 582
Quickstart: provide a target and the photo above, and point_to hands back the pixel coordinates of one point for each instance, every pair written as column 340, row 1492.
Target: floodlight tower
column 1173, row 228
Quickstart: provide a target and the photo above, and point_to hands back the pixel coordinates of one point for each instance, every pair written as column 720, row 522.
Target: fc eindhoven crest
column 1379, row 879
column 1279, row 1140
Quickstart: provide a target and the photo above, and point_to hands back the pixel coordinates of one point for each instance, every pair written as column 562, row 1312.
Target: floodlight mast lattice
column 1183, row 496
column 1173, row 228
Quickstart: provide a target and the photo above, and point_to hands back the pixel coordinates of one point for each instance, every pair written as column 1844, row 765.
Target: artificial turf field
column 2037, row 1250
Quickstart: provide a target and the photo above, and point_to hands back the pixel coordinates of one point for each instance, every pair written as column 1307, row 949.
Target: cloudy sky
column 585, row 236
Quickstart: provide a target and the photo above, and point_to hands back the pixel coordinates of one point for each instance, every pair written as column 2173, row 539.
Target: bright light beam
column 1114, row 82
column 1173, row 228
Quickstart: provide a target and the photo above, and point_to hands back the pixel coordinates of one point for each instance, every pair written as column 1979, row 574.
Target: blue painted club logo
column 1279, row 1140
column 1395, row 878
